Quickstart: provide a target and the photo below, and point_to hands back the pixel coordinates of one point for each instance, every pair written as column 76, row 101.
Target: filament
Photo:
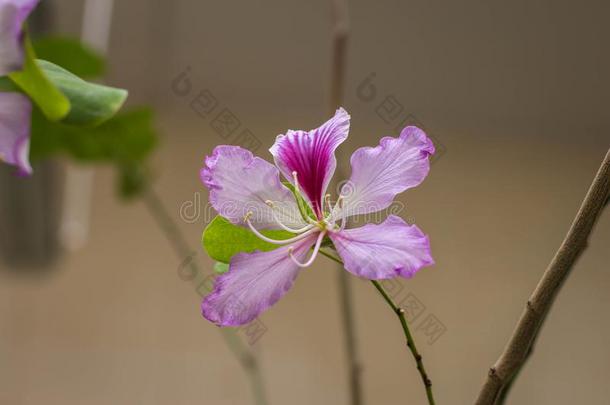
column 276, row 241
column 316, row 249
column 296, row 182
column 336, row 210
column 297, row 189
column 328, row 203
column 281, row 224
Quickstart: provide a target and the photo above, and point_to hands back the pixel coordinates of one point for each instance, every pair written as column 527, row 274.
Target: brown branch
column 549, row 285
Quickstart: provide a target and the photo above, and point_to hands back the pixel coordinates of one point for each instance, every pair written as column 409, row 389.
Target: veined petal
column 13, row 13
column 15, row 115
column 312, row 156
column 240, row 183
column 382, row 172
column 383, row 251
column 254, row 282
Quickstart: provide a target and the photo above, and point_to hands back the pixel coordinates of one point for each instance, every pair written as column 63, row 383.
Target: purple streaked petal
column 240, row 182
column 254, row 282
column 383, row 251
column 382, row 172
column 15, row 115
column 312, row 155
column 13, row 14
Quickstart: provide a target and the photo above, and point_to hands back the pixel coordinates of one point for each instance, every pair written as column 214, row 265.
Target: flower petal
column 383, row 251
column 240, row 183
column 254, row 282
column 379, row 173
column 312, row 155
column 15, row 115
column 13, row 13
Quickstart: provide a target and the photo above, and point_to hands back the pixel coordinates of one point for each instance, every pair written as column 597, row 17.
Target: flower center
column 321, row 226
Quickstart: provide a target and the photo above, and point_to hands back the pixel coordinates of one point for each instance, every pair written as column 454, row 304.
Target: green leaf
column 72, row 55
column 91, row 103
column 7, row 85
column 127, row 138
column 222, row 240
column 35, row 83
column 221, row 268
column 125, row 141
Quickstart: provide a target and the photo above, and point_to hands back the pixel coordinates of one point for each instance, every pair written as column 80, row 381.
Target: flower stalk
column 400, row 313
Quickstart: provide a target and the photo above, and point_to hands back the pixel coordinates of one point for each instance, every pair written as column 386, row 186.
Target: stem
column 180, row 245
column 340, row 33
column 340, row 22
column 248, row 362
column 345, row 296
column 405, row 327
column 410, row 341
column 541, row 300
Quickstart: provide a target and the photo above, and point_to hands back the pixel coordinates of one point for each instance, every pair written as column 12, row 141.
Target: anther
column 295, row 180
column 270, row 203
column 328, row 203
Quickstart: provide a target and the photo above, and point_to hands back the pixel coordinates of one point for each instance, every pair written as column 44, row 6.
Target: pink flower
column 15, row 115
column 246, row 190
column 15, row 108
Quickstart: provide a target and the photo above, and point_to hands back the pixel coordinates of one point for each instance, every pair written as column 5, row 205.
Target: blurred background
column 514, row 94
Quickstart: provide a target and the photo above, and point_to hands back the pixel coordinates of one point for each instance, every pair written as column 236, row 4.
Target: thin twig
column 549, row 285
column 345, row 295
column 340, row 32
column 400, row 312
column 180, row 245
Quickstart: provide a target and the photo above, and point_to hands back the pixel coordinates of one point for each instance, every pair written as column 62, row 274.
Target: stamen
column 295, row 179
column 340, row 202
column 328, row 203
column 298, row 191
column 281, row 224
column 343, row 222
column 276, row 241
column 344, row 215
column 316, row 249
column 334, row 211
